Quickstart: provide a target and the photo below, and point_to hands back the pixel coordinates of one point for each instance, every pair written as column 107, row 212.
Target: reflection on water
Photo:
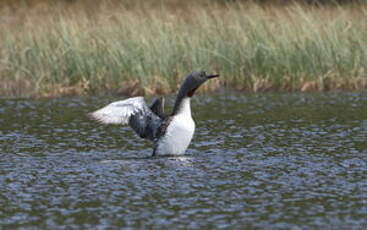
column 276, row 161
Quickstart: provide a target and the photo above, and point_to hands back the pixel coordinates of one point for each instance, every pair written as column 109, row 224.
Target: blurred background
column 54, row 48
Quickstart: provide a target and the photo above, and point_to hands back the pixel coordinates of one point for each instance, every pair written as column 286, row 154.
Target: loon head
column 193, row 81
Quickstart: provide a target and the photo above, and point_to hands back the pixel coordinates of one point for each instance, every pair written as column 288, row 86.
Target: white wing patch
column 119, row 112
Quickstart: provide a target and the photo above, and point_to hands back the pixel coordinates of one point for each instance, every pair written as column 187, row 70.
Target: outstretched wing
column 133, row 111
column 157, row 107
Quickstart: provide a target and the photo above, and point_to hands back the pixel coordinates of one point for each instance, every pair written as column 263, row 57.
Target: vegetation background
column 53, row 48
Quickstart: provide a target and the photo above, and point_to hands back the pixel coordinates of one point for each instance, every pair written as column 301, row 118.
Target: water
column 269, row 161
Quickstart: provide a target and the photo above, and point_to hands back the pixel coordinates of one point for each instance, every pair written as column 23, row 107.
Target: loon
column 171, row 134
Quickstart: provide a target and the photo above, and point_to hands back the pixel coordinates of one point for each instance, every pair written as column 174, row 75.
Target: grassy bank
column 52, row 50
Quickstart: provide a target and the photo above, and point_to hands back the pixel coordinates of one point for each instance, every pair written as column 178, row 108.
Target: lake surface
column 263, row 161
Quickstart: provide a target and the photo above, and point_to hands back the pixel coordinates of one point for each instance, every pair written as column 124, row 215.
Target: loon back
column 144, row 120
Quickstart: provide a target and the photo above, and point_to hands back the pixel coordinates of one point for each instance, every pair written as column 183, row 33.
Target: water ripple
column 268, row 161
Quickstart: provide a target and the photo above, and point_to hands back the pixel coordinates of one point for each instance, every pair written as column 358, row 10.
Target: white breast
column 179, row 132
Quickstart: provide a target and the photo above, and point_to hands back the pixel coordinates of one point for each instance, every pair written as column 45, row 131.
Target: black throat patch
column 191, row 93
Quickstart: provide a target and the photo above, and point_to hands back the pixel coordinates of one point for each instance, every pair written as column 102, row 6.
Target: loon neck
column 182, row 107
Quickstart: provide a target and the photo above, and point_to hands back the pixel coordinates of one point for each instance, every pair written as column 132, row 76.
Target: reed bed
column 54, row 50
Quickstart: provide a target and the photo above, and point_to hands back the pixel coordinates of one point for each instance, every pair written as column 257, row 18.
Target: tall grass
column 51, row 51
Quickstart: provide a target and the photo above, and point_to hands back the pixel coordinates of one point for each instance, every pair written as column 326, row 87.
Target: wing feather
column 133, row 111
column 119, row 112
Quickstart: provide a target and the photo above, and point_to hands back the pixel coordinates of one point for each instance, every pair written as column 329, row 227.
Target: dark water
column 267, row 161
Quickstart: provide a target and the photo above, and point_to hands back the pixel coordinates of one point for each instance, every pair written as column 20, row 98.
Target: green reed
column 254, row 48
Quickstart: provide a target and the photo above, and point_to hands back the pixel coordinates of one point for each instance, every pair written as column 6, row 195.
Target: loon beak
column 212, row 76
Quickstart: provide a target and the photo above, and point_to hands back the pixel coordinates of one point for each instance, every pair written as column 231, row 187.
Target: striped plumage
column 172, row 133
